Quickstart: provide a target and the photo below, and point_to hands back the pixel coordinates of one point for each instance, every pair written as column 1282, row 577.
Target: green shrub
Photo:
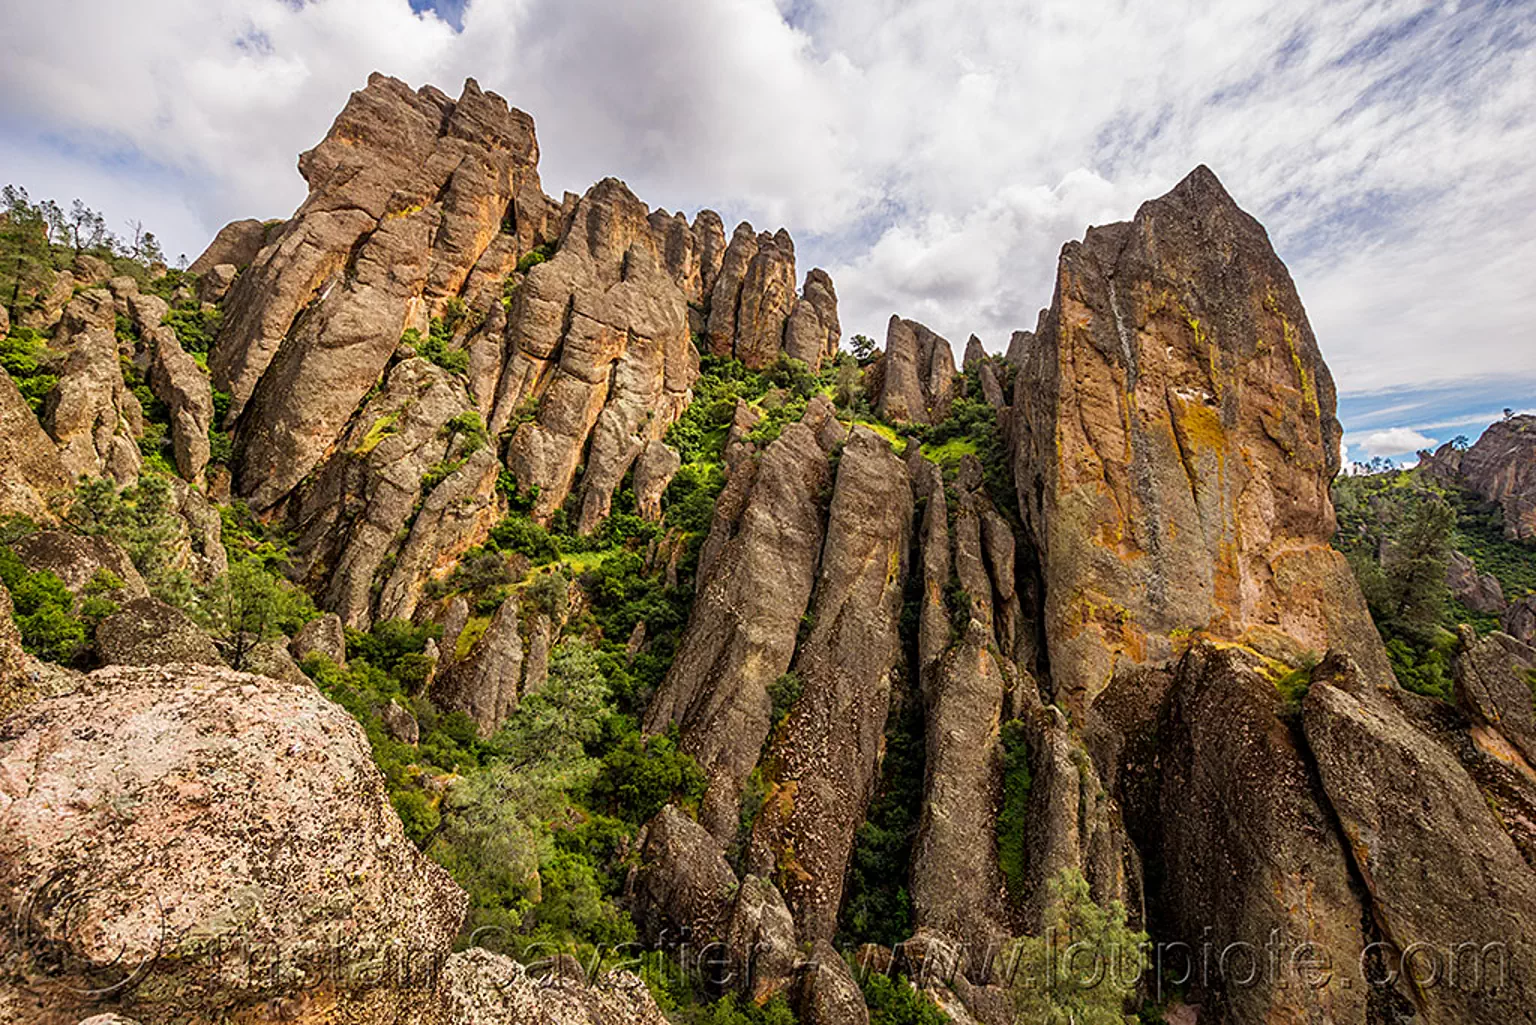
column 43, row 609
column 895, row 1001
column 25, row 355
column 1052, row 981
column 196, row 328
column 1013, row 818
column 639, row 776
column 783, row 693
column 878, row 907
column 417, row 813
column 534, row 257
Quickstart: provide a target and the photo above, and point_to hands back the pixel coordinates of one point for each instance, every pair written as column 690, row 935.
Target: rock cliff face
column 914, row 379
column 1176, row 441
column 33, row 470
column 824, row 761
column 1114, row 634
column 741, row 635
column 1500, row 467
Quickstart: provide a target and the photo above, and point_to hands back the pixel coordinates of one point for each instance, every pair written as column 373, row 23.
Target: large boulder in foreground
column 189, row 840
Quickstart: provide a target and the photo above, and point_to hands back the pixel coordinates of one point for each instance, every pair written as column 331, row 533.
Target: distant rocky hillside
column 453, row 605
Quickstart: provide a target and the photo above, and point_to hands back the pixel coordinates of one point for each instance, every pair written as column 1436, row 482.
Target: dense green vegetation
column 1013, row 819
column 895, row 1001
column 1090, row 986
column 877, row 907
column 1398, row 529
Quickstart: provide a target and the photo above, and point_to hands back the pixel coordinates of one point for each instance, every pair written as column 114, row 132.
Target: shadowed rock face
column 351, row 516
column 33, row 470
column 1439, row 864
column 1175, row 441
column 824, row 762
column 741, row 634
column 1246, row 846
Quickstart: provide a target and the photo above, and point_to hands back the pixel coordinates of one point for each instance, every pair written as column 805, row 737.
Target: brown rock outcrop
column 741, row 635
column 1248, row 849
column 181, row 384
column 914, row 379
column 1442, row 871
column 148, row 632
column 813, row 333
column 33, row 471
column 822, row 768
column 1176, row 439
column 407, row 191
column 754, row 313
column 828, row 993
column 455, row 515
column 91, row 414
column 260, row 834
column 215, row 284
column 484, row 683
column 1494, row 686
column 760, row 939
column 237, row 244
column 964, row 676
column 481, row 988
column 351, row 518
column 1519, row 620
column 1480, row 592
column 325, row 636
column 599, row 339
column 1501, row 467
column 655, row 467
column 684, row 890
column 77, row 560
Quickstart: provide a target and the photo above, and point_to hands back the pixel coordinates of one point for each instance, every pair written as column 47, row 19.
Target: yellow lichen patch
column 473, row 630
column 1201, row 427
column 414, row 208
column 382, row 428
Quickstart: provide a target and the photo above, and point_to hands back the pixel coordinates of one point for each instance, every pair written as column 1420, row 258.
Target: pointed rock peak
column 1199, row 191
column 975, row 352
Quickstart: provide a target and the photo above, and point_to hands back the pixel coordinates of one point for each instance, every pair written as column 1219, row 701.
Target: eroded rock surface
column 824, row 763
column 1176, row 440
column 91, row 414
column 257, row 818
column 914, row 380
column 741, row 635
column 1501, row 467
column 34, row 473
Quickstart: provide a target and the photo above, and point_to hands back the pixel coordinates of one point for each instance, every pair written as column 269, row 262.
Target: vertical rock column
column 822, row 768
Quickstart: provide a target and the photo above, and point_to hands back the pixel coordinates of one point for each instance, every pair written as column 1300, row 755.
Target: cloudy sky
column 933, row 155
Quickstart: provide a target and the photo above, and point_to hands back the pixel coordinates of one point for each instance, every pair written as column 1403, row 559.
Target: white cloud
column 1394, row 441
column 933, row 154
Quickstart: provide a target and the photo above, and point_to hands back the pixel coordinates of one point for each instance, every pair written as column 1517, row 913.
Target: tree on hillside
column 1414, row 565
column 86, row 229
column 1085, row 965
column 26, row 266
